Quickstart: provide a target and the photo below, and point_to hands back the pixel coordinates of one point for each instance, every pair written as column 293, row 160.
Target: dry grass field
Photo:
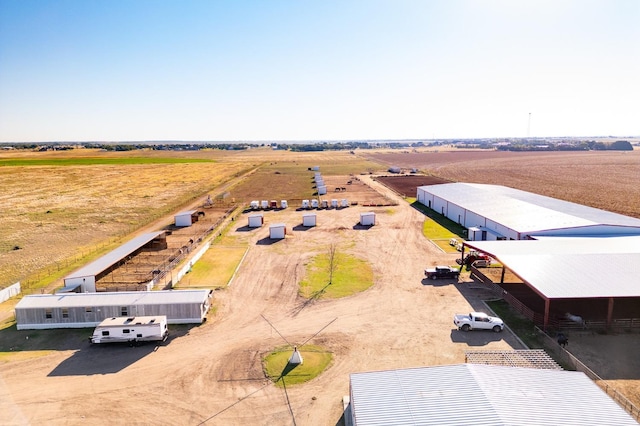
column 212, row 374
column 55, row 216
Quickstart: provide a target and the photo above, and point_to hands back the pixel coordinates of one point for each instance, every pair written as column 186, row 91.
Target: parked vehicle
column 478, row 321
column 131, row 330
column 442, row 272
column 475, row 258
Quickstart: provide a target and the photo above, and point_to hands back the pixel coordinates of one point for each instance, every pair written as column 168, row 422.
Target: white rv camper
column 131, row 329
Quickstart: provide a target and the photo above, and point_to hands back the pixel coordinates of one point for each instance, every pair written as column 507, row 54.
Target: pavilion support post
column 547, row 305
column 610, row 313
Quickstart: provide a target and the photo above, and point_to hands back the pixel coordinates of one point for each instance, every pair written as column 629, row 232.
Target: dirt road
column 212, row 374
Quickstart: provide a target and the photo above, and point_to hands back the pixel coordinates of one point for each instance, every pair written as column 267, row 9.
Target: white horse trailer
column 131, row 329
column 255, row 220
column 309, row 220
column 367, row 219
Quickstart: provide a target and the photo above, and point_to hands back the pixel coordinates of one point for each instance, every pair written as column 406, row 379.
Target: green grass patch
column 351, row 275
column 92, row 161
column 276, row 364
column 445, row 246
column 520, row 325
column 215, row 268
column 437, row 226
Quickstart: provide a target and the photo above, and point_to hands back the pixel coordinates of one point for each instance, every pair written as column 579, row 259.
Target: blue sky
column 264, row 70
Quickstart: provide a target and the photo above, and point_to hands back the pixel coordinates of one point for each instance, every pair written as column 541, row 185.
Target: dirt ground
column 212, row 374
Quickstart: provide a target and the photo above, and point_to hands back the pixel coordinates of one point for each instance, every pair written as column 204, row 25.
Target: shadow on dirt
column 266, row 241
column 301, row 228
column 437, row 283
column 111, row 358
column 247, row 228
column 359, row 227
column 475, row 338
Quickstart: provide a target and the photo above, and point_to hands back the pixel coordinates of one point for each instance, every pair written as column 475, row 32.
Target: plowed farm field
column 606, row 180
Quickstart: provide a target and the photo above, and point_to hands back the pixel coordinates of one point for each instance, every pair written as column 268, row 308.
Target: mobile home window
column 124, row 311
column 48, row 314
column 65, row 313
column 125, row 331
column 88, row 309
column 105, row 332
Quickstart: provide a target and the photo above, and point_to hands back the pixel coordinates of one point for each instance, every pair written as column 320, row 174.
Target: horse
column 563, row 340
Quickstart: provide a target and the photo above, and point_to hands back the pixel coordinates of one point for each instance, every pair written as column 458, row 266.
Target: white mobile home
column 131, row 329
column 80, row 310
column 264, row 204
column 334, row 204
column 309, row 220
column 322, row 189
column 255, row 221
column 284, row 204
column 314, row 204
column 367, row 219
column 255, row 205
column 305, row 204
column 344, row 203
column 277, row 231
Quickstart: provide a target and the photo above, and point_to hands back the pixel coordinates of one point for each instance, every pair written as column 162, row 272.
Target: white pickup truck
column 477, row 321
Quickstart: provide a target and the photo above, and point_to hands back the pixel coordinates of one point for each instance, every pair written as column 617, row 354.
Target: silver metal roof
column 124, row 298
column 572, row 267
column 186, row 213
column 526, row 212
column 109, row 259
column 472, row 394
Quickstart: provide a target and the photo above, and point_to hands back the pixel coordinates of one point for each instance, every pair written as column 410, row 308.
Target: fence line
column 573, row 362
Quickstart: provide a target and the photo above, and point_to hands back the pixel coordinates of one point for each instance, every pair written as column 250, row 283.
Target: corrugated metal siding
column 179, row 306
column 526, row 212
column 114, row 299
column 470, row 394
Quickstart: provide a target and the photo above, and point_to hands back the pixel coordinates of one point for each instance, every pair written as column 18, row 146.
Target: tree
column 332, row 261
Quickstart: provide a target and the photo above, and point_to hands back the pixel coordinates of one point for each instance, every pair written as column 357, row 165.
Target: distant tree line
column 566, row 146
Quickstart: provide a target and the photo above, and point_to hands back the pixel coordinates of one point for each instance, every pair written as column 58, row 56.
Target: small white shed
column 314, row 204
column 185, row 218
column 277, row 231
column 305, row 204
column 255, row 205
column 264, row 204
column 309, row 219
column 344, row 203
column 315, row 168
column 367, row 219
column 322, row 190
column 256, row 221
column 284, row 204
column 334, row 203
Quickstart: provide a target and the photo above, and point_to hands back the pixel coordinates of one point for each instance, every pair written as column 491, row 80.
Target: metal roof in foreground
column 562, row 268
column 111, row 258
column 471, row 394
